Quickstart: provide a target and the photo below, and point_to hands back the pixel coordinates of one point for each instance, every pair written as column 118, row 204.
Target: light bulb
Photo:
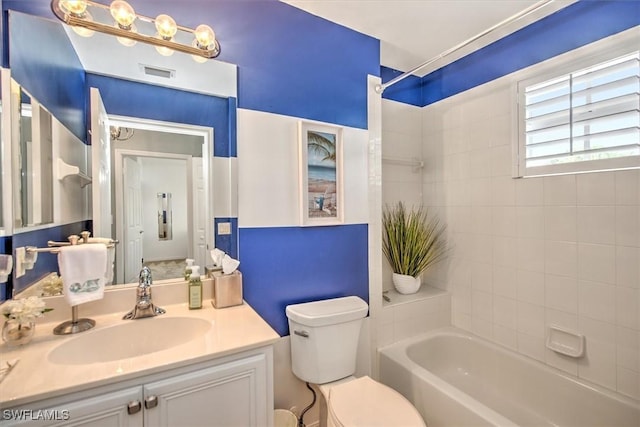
column 166, row 26
column 204, row 36
column 75, row 7
column 123, row 13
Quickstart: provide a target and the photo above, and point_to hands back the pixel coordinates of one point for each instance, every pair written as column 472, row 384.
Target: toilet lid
column 365, row 402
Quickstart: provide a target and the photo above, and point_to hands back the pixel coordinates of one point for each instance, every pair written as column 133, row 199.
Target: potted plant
column 412, row 242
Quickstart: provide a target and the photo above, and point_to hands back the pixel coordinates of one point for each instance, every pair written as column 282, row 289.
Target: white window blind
column 590, row 115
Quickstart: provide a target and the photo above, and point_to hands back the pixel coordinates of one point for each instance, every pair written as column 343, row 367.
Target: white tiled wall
column 406, row 316
column 528, row 253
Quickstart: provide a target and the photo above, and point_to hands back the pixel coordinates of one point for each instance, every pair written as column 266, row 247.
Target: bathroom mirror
column 102, row 56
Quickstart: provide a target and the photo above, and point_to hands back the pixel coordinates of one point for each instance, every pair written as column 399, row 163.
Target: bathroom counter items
column 43, row 374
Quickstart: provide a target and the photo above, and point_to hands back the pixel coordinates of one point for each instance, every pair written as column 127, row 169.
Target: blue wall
column 46, row 262
column 289, row 265
column 577, row 25
column 56, row 81
column 290, row 62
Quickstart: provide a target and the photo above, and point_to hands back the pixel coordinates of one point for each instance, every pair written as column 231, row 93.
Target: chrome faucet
column 144, row 305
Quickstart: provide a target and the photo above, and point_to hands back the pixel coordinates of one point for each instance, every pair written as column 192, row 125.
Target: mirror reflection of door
column 132, row 219
column 146, row 163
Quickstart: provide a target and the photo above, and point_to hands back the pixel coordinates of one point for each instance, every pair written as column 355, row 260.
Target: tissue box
column 227, row 290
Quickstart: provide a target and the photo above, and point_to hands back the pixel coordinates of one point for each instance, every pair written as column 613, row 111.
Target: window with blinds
column 587, row 119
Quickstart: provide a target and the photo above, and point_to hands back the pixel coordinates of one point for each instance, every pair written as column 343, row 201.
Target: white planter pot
column 406, row 284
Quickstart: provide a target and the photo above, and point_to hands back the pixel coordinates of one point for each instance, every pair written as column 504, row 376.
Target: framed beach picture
column 321, row 191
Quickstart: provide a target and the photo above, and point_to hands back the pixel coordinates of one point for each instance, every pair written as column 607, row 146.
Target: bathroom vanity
column 184, row 368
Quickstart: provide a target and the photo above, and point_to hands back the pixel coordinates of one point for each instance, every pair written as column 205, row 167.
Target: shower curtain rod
column 381, row 87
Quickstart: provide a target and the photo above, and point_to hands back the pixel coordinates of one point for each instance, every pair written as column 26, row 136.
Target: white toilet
column 324, row 342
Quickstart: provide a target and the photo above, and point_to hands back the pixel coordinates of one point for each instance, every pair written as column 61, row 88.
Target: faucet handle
column 145, row 279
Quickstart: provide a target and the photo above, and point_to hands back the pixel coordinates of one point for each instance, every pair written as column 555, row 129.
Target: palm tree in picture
column 321, row 145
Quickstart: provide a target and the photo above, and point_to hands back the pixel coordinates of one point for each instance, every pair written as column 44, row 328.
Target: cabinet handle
column 151, row 402
column 134, row 407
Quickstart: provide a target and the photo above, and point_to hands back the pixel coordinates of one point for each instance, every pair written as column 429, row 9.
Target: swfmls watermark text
column 36, row 415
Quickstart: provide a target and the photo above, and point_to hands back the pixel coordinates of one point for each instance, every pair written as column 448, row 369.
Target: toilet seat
column 364, row 402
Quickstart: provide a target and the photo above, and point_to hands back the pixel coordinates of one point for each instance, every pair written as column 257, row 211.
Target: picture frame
column 320, row 173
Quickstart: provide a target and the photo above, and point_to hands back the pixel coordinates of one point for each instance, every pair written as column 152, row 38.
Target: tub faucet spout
column 144, row 304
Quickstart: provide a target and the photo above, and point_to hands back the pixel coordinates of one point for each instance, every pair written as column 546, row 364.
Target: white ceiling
column 414, row 31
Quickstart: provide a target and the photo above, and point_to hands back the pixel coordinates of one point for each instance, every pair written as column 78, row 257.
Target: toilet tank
column 324, row 338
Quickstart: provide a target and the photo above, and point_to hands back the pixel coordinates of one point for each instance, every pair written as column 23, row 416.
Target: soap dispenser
column 187, row 269
column 195, row 288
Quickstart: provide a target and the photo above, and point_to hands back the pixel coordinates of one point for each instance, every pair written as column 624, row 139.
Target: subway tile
column 505, row 312
column 597, row 224
column 597, row 301
column 529, row 192
column 627, row 226
column 628, row 348
column 482, row 248
column 560, row 319
column 530, row 287
column 596, row 189
column 481, row 192
column 531, row 254
column 481, row 305
column 530, row 221
column 531, row 319
column 597, row 263
column 560, row 190
column 503, row 191
column 628, row 187
column 501, row 163
column 504, row 221
column 560, row 223
column 505, row 251
column 481, row 219
column 531, row 346
column 480, row 163
column 627, row 306
column 561, row 258
column 505, row 281
column 561, row 293
column 628, row 266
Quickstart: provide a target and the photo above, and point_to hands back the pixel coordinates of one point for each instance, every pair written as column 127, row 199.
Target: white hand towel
column 111, row 256
column 217, row 255
column 229, row 265
column 83, row 270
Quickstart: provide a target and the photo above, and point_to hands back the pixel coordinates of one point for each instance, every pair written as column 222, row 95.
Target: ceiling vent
column 158, row 72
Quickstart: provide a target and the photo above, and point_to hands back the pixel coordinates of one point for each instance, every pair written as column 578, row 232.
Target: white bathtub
column 458, row 379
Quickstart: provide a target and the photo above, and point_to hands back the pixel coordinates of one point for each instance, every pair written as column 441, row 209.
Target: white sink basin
column 126, row 340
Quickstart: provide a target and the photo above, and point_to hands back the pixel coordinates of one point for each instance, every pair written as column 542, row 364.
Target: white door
column 199, row 200
column 133, row 228
column 100, row 167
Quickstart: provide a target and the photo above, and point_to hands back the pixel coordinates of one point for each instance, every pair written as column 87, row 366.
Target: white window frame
column 595, row 53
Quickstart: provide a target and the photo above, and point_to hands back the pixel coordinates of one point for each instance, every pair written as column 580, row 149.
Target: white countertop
column 35, row 377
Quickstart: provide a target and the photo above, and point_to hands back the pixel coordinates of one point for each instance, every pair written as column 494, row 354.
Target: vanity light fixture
column 120, row 19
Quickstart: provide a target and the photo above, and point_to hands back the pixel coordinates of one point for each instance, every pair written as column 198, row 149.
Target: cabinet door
column 230, row 394
column 107, row 410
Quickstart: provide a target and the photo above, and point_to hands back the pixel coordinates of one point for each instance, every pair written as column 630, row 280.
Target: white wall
column 70, row 199
column 529, row 253
column 164, row 176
